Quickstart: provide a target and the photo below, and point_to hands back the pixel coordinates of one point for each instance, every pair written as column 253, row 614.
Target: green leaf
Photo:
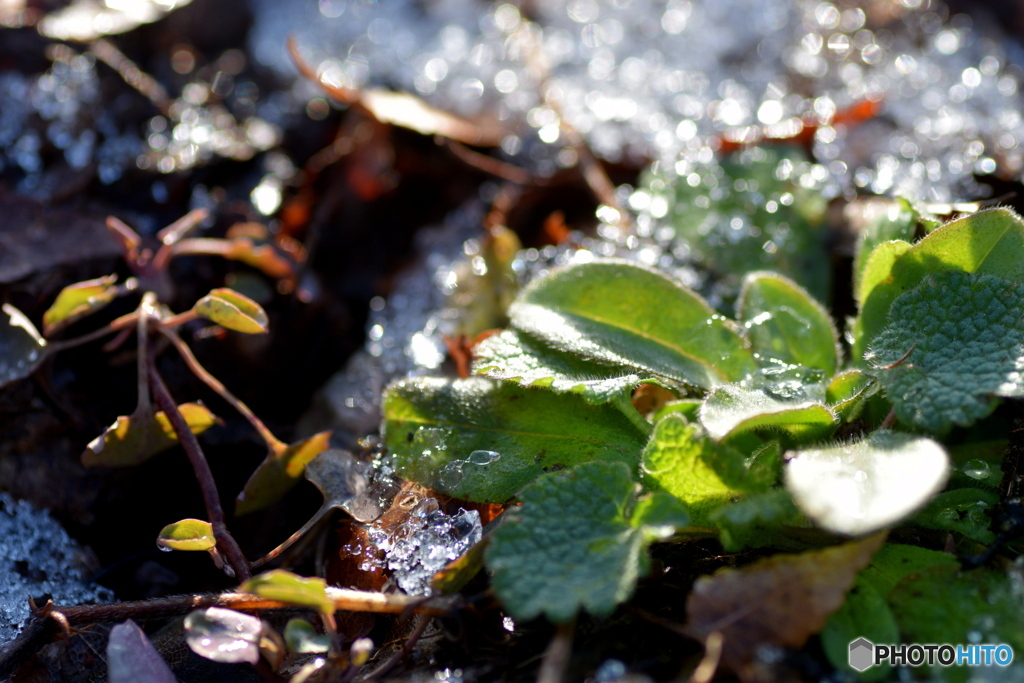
column 480, row 440
column 847, row 392
column 964, row 511
column 659, row 510
column 232, row 310
column 22, row 348
column 79, row 300
column 989, row 242
column 743, row 212
column 133, row 439
column 865, row 614
column 965, row 338
column 876, row 220
column 759, row 520
column 572, row 544
column 731, row 410
column 623, row 314
column 224, row 635
column 860, row 487
column 284, row 586
column 188, row 534
column 514, row 356
column 896, row 561
column 302, row 638
column 682, row 461
column 877, row 271
column 944, row 605
column 785, row 324
column 279, row 472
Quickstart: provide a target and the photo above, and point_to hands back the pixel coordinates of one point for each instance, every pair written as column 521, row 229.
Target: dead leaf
column 782, row 600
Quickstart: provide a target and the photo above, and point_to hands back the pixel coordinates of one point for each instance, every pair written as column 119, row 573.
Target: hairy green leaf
column 965, row 511
column 785, row 324
column 572, row 544
column 623, row 314
column 232, row 310
column 989, row 242
column 953, row 344
column 481, row 440
column 681, row 460
column 877, row 220
column 847, row 392
column 865, row 614
column 860, row 487
column 514, row 356
column 945, row 605
column 21, row 346
column 733, row 409
column 760, row 520
column 188, row 534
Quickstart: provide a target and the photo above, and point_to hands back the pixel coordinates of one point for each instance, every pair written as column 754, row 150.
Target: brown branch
column 226, row 543
column 42, row 629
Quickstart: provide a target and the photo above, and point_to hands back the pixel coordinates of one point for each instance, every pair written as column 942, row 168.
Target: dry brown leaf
column 782, row 600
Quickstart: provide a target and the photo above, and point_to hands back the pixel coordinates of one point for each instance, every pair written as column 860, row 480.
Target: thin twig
column 708, row 666
column 559, row 653
column 489, row 164
column 889, row 420
column 403, row 653
column 215, row 384
column 226, row 543
column 128, row 70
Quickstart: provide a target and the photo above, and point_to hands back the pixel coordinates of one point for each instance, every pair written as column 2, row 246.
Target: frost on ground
column 37, row 557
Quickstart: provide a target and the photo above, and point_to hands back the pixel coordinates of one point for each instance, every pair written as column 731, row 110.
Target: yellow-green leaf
column 279, row 472
column 188, row 534
column 232, row 310
column 133, row 439
column 293, row 589
column 79, row 300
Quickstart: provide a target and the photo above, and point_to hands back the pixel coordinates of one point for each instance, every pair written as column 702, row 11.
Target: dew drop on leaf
column 977, row 469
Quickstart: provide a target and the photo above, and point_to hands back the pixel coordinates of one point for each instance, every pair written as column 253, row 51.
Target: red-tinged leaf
column 21, row 346
column 252, row 244
column 782, row 600
column 224, row 635
column 188, row 534
column 132, row 658
column 135, row 438
column 279, row 472
column 293, row 589
column 79, row 300
column 232, row 310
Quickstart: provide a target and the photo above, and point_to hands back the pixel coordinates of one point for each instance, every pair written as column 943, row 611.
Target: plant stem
column 41, row 629
column 121, row 323
column 209, row 380
column 625, row 405
column 226, row 543
column 559, row 653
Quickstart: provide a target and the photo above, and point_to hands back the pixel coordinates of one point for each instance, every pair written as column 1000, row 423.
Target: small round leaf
column 232, row 310
column 188, row 534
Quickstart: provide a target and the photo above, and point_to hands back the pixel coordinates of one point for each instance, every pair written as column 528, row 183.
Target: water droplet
column 977, row 469
column 483, row 457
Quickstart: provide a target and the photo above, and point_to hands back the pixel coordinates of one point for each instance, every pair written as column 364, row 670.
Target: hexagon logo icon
column 862, row 654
